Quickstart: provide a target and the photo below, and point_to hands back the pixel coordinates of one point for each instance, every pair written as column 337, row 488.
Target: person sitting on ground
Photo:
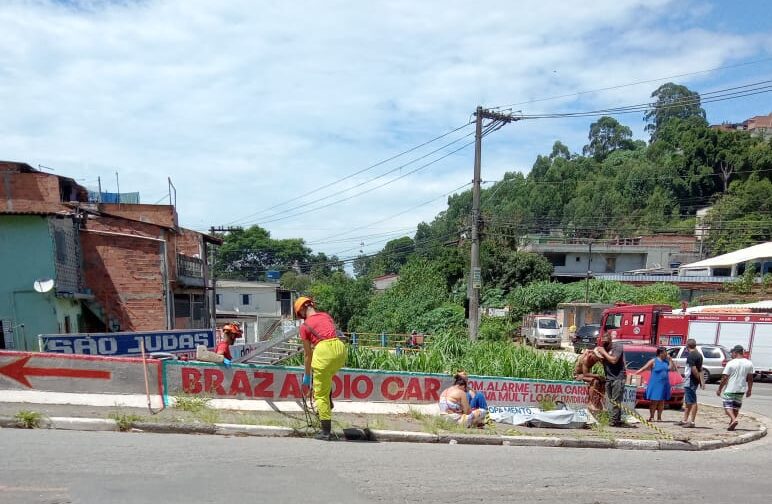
column 596, row 383
column 454, row 404
column 476, row 399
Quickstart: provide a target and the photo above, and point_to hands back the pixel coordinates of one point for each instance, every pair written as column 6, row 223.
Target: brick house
column 116, row 267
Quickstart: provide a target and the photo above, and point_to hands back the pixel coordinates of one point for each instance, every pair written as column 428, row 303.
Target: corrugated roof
column 761, row 306
column 241, row 284
column 738, row 256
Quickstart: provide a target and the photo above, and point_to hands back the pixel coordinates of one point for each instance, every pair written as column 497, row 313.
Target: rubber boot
column 325, row 434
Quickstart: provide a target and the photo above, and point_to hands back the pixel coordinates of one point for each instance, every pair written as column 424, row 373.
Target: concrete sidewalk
column 196, row 417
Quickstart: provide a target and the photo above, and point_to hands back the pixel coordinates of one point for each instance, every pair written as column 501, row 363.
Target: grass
column 208, row 415
column 191, row 404
column 417, row 414
column 125, row 421
column 449, row 352
column 27, row 419
column 547, row 404
column 376, row 423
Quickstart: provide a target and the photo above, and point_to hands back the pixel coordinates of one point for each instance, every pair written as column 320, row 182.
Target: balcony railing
column 190, row 267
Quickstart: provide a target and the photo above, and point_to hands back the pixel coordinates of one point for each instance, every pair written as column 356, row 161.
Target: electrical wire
column 403, row 211
column 366, row 191
column 630, row 84
column 354, row 174
column 332, row 195
column 698, row 99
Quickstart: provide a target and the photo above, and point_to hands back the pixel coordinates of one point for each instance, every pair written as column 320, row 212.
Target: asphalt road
column 96, row 467
column 759, row 402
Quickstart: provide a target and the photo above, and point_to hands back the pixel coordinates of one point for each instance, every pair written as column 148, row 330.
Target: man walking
column 614, row 366
column 736, row 381
column 692, row 379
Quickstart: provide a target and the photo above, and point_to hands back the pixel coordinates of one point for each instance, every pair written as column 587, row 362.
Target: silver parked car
column 714, row 358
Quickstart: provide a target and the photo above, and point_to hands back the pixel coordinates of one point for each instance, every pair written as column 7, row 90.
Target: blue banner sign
column 181, row 341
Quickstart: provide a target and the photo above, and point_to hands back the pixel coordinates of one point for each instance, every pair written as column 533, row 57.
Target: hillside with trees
column 617, row 187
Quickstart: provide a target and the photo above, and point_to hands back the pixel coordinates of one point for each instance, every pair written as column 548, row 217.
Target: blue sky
column 253, row 107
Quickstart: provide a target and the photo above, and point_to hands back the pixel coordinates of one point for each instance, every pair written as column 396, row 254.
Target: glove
column 226, row 362
column 306, row 387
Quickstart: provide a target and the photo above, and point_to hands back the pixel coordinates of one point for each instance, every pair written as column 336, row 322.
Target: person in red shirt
column 229, row 334
column 325, row 354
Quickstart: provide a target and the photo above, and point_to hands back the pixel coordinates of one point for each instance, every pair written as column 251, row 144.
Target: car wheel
column 676, row 407
column 705, row 376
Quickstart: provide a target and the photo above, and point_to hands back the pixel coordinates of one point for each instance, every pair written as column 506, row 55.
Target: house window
column 245, row 299
column 611, row 264
column 218, row 299
column 577, row 259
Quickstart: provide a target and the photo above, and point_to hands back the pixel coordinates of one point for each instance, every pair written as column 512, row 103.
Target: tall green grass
column 451, row 351
column 448, row 352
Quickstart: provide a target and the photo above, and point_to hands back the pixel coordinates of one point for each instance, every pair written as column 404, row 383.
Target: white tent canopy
column 750, row 254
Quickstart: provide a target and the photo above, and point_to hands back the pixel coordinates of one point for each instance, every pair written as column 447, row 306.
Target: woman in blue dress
column 658, row 388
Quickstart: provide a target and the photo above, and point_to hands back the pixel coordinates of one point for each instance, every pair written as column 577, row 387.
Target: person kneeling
column 454, row 404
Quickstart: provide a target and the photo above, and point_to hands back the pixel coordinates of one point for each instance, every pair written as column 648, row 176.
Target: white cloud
column 246, row 104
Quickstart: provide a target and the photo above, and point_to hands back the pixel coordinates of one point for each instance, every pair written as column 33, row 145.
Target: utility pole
column 498, row 120
column 587, row 278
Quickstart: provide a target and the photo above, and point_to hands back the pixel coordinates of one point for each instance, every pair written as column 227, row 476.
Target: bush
column 447, row 317
column 496, row 329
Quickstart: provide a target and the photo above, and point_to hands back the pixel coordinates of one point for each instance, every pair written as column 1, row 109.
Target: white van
column 542, row 331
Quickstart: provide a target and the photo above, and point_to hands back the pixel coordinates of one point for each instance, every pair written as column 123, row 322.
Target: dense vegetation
column 451, row 351
column 617, row 187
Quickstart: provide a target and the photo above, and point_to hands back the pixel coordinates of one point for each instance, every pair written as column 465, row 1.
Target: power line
column 709, row 97
column 363, row 170
column 402, row 212
column 491, row 127
column 332, row 195
column 630, row 84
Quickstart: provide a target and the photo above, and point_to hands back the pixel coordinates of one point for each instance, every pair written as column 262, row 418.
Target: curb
column 101, row 425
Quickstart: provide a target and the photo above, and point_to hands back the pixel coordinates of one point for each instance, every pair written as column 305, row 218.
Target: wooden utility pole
column 475, row 275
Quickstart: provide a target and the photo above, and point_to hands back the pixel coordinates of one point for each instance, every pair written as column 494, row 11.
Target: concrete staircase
column 278, row 348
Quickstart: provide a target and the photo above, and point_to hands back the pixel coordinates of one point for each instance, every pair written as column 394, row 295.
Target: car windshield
column 548, row 324
column 589, row 330
column 635, row 359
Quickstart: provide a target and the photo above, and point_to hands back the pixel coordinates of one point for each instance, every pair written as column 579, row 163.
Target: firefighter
column 325, row 354
column 229, row 334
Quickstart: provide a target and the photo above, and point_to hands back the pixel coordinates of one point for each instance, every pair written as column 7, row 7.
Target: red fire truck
column 657, row 325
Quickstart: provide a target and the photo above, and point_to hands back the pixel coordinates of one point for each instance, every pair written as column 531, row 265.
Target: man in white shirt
column 736, row 381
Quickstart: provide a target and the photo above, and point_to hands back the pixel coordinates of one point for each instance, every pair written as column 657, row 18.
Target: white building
column 732, row 264
column 253, row 304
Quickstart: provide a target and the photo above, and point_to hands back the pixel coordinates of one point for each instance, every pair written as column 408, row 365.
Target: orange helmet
column 301, row 302
column 232, row 328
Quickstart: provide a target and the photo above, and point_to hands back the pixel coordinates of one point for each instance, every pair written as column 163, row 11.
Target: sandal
column 688, row 425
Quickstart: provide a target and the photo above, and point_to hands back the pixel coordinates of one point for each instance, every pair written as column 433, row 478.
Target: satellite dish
column 43, row 285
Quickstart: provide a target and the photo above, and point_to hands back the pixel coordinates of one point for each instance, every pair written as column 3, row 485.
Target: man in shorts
column 596, row 384
column 736, row 381
column 692, row 380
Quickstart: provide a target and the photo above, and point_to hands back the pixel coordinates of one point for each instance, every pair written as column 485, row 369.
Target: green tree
column 607, row 135
column 672, row 101
column 419, row 290
column 294, row 281
column 505, row 268
column 343, row 297
column 247, row 254
column 742, row 217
